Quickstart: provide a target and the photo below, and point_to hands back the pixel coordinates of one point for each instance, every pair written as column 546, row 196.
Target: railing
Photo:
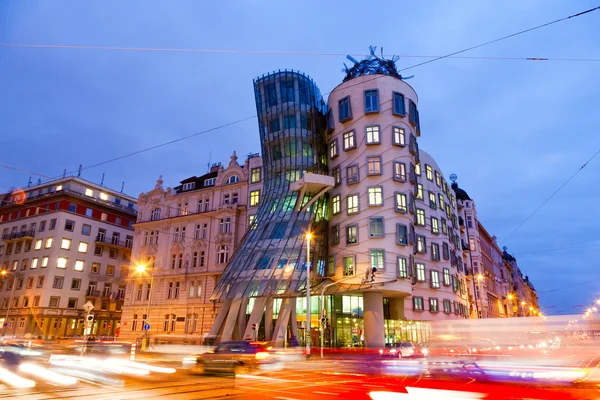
column 93, row 293
column 114, row 241
column 19, row 235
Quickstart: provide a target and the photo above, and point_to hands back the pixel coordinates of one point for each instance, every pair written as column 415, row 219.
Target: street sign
column 146, row 327
column 109, row 326
column 88, row 307
column 5, row 324
column 89, row 318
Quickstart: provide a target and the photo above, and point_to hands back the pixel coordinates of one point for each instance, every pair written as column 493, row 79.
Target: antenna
column 122, row 186
column 208, row 167
column 102, row 181
column 79, row 171
column 64, row 173
column 29, row 183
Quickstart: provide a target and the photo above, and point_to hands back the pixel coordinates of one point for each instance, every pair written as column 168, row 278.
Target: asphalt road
column 315, row 379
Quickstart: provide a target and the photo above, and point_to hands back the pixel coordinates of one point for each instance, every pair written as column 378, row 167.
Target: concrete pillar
column 269, row 319
column 397, row 308
column 373, row 315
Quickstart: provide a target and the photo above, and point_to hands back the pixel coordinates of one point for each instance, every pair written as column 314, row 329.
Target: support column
column 231, row 320
column 218, row 324
column 255, row 317
column 282, row 321
column 373, row 315
column 269, row 319
column 241, row 325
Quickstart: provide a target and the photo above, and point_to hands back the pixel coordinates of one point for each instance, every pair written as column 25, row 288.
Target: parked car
column 237, row 357
column 398, row 349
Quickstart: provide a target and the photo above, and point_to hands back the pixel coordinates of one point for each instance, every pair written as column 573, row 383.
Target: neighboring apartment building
column 184, row 238
column 495, row 283
column 64, row 243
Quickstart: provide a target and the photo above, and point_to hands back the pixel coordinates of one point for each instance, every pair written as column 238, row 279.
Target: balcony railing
column 114, row 241
column 19, row 235
column 93, row 293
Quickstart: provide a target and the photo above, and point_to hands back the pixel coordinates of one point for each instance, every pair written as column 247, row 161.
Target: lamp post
column 307, row 330
column 12, row 293
column 141, row 268
column 511, row 297
column 479, row 278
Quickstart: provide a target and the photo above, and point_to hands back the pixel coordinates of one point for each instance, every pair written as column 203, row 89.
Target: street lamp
column 4, row 273
column 141, row 268
column 307, row 330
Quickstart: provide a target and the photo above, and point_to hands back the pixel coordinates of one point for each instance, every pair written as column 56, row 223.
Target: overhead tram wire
column 249, row 52
column 549, row 198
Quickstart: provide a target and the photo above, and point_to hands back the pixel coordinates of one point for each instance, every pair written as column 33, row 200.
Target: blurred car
column 398, row 349
column 237, row 357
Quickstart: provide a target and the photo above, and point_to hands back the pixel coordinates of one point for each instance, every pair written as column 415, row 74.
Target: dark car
column 237, row 357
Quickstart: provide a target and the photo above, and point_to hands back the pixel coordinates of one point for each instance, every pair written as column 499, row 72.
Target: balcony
column 114, row 242
column 15, row 236
column 465, row 247
column 93, row 293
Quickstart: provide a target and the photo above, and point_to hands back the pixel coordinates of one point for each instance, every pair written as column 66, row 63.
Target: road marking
column 329, row 393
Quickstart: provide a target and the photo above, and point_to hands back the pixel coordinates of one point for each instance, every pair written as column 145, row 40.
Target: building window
column 335, row 204
column 376, row 227
column 420, row 220
column 58, row 282
column 110, row 270
column 352, row 174
column 398, row 138
column 472, row 244
column 54, row 302
column 441, row 202
column 377, row 259
column 402, row 234
column 348, row 266
column 222, row 254
column 189, row 186
column 421, row 244
column 52, row 224
column 95, row 268
column 374, row 165
column 419, row 194
column 65, row 244
column 345, row 109
column 420, row 272
column 402, row 268
column 79, row 265
column 255, row 173
column 83, row 247
column 435, row 251
column 469, row 221
column 349, row 140
column 372, row 133
column 337, row 177
column 62, row 262
column 444, row 226
column 417, row 303
column 335, row 234
column 155, row 215
column 399, row 171
column 225, row 225
column 447, row 306
column 45, row 262
column 429, row 172
column 254, row 198
column 333, row 149
column 371, row 101
column 438, row 179
column 446, row 277
column 401, row 203
column 49, row 242
column 432, row 200
column 351, row 234
column 352, row 206
column 399, row 108
column 433, row 305
column 435, row 229
column 375, row 196
column 232, row 179
column 435, row 279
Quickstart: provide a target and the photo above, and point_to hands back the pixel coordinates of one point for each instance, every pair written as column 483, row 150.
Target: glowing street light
column 4, row 273
column 479, row 277
column 141, row 269
column 510, row 296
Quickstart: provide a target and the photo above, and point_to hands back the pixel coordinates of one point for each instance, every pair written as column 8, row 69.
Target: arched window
column 155, row 214
column 222, row 254
column 233, row 179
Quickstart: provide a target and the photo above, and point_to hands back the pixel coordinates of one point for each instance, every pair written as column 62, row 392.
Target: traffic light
column 373, row 274
column 253, row 327
column 89, row 318
column 323, row 321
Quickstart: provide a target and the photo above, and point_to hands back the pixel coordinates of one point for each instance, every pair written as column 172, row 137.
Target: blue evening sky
column 513, row 131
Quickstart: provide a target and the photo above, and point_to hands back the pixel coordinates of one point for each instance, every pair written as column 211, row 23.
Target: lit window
column 472, row 244
column 433, row 304
column 348, row 266
column 34, row 263
column 438, row 179
column 429, row 172
column 371, row 101
column 335, row 204
column 49, row 242
column 254, row 198
column 38, row 244
column 89, row 192
column 435, row 279
column 441, row 201
column 62, row 262
column 401, row 202
column 419, row 192
column 58, row 188
column 65, row 244
column 103, row 216
column 432, row 200
column 377, row 259
column 375, row 196
column 83, row 247
column 446, row 277
column 421, row 244
column 417, row 303
column 44, row 262
column 399, row 171
column 418, row 169
column 79, row 265
column 337, row 177
column 333, row 149
column 420, row 217
column 372, row 134
column 398, row 136
column 351, row 234
column 421, row 272
column 349, row 140
column 352, row 204
column 345, row 110
column 103, row 196
column 435, row 229
column 402, row 268
column 373, row 165
column 255, row 175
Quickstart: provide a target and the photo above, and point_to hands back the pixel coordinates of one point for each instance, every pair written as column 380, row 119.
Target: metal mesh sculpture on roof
column 372, row 65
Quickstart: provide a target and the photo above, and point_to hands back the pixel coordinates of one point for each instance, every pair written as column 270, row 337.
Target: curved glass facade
column 271, row 261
